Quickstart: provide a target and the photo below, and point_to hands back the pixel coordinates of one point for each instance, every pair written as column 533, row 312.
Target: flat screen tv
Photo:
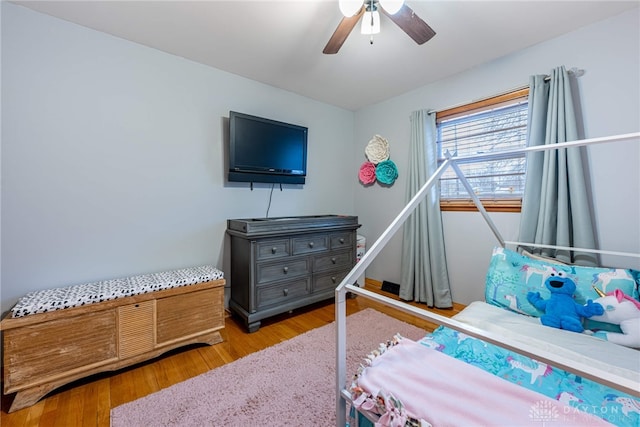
column 265, row 150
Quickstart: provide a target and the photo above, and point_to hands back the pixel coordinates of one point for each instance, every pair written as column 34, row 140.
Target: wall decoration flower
column 377, row 150
column 367, row 173
column 378, row 166
column 386, row 172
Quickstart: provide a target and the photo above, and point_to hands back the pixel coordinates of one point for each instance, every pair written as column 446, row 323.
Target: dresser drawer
column 333, row 261
column 280, row 293
column 270, row 249
column 328, row 280
column 310, row 243
column 283, row 270
column 341, row 240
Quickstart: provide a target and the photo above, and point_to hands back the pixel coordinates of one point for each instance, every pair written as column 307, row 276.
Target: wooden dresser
column 279, row 264
column 46, row 350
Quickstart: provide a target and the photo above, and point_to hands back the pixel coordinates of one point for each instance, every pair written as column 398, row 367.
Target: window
column 486, row 126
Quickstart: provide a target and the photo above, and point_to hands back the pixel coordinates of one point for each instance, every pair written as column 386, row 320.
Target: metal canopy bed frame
column 618, row 382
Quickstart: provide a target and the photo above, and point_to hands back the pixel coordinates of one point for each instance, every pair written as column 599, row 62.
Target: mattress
column 584, row 348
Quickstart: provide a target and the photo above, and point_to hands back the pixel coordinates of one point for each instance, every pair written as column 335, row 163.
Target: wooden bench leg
column 30, row 396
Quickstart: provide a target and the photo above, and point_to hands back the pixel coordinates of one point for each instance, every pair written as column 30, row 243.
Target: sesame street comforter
column 426, row 387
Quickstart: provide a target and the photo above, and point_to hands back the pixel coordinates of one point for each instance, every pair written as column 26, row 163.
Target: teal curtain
column 424, row 265
column 556, row 207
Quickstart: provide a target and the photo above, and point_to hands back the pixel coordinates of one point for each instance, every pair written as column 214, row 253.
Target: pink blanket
column 427, row 385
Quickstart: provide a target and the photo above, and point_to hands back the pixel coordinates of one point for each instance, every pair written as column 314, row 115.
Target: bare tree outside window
column 488, row 129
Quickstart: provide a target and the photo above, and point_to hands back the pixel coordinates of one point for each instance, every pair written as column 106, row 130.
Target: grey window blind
column 488, row 131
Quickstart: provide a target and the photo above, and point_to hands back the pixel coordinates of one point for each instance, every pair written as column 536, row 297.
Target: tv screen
column 265, row 150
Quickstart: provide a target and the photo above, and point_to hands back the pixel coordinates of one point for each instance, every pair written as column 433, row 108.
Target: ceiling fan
column 401, row 14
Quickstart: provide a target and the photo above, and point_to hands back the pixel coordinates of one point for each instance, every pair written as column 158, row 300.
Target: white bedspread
column 593, row 351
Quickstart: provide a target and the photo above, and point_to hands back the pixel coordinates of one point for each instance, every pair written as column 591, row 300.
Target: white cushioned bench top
column 89, row 293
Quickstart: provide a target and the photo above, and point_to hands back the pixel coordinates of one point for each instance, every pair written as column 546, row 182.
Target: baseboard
column 384, row 286
column 371, row 283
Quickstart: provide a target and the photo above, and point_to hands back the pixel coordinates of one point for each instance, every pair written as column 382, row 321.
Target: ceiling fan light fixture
column 405, row 18
column 349, row 7
column 392, row 6
column 370, row 23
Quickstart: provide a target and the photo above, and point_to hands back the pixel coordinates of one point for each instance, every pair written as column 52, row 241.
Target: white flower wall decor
column 377, row 149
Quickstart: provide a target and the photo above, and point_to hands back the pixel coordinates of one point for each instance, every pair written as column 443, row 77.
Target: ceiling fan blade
column 342, row 32
column 411, row 24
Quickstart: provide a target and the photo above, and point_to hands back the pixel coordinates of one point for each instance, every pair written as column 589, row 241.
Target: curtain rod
column 575, row 71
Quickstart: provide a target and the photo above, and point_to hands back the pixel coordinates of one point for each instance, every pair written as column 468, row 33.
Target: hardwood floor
column 88, row 402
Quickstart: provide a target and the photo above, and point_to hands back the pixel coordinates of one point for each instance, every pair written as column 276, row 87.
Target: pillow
column 512, row 275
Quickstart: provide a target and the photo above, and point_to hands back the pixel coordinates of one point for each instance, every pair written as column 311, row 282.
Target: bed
column 494, row 363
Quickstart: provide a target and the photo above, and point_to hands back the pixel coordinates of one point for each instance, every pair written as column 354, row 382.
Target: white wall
column 113, row 153
column 113, row 156
column 609, row 97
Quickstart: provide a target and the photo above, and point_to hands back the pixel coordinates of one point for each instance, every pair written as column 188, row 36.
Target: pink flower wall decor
column 367, row 173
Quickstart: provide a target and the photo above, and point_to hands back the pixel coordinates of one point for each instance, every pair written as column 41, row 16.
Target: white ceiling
column 280, row 42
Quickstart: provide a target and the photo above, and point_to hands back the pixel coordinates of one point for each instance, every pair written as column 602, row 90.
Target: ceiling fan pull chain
column 372, row 9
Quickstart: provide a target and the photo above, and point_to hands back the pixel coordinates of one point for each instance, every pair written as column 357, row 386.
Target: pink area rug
column 289, row 384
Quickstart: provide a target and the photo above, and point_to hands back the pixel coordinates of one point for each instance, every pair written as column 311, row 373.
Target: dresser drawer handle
column 341, row 240
column 285, row 292
column 333, row 279
column 333, row 260
column 310, row 244
column 274, row 250
column 285, row 269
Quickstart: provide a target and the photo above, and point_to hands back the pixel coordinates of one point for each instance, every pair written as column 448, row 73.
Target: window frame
column 490, row 204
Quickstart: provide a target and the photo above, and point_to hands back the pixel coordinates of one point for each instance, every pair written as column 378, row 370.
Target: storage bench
column 56, row 336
